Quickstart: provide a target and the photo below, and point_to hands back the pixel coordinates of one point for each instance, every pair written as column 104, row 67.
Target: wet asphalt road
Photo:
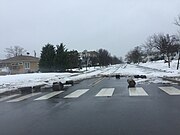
column 156, row 114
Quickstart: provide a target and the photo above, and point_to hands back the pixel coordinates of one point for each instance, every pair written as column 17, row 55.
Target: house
column 89, row 58
column 20, row 64
column 86, row 53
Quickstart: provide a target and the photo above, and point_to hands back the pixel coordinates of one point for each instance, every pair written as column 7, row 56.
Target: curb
column 172, row 79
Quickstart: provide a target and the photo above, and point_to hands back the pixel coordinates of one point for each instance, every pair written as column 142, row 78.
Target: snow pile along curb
column 172, row 79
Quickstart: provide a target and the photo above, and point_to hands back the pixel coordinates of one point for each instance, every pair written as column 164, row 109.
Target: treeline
column 157, row 47
column 58, row 58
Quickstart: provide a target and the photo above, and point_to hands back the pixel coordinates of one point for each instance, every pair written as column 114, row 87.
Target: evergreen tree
column 46, row 60
column 60, row 60
column 73, row 59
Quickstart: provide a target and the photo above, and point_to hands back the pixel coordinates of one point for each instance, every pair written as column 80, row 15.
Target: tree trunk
column 169, row 65
column 178, row 64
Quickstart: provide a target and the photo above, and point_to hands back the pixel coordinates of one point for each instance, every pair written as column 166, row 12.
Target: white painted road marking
column 50, row 95
column 105, row 92
column 170, row 90
column 24, row 97
column 77, row 93
column 96, row 82
column 8, row 97
column 138, row 91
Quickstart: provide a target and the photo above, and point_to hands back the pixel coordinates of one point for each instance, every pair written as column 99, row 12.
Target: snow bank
column 22, row 80
column 153, row 70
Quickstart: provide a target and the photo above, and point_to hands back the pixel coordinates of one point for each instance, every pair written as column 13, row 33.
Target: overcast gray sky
column 115, row 25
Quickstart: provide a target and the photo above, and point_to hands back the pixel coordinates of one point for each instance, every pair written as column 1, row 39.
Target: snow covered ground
column 153, row 70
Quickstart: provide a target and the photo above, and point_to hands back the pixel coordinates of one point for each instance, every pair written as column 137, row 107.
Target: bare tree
column 148, row 47
column 165, row 44
column 14, row 51
column 177, row 21
column 135, row 55
column 104, row 57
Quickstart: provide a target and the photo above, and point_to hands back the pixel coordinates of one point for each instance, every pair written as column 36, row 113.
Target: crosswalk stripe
column 138, row 91
column 24, row 97
column 77, row 93
column 170, row 90
column 8, row 97
column 50, row 95
column 105, row 92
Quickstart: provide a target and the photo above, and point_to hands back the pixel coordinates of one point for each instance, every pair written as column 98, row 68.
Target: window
column 27, row 65
column 14, row 64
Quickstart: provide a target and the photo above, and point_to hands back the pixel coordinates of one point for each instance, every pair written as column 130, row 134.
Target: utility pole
column 85, row 51
column 178, row 60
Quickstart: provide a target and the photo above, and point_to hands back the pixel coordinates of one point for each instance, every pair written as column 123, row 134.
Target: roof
column 20, row 58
